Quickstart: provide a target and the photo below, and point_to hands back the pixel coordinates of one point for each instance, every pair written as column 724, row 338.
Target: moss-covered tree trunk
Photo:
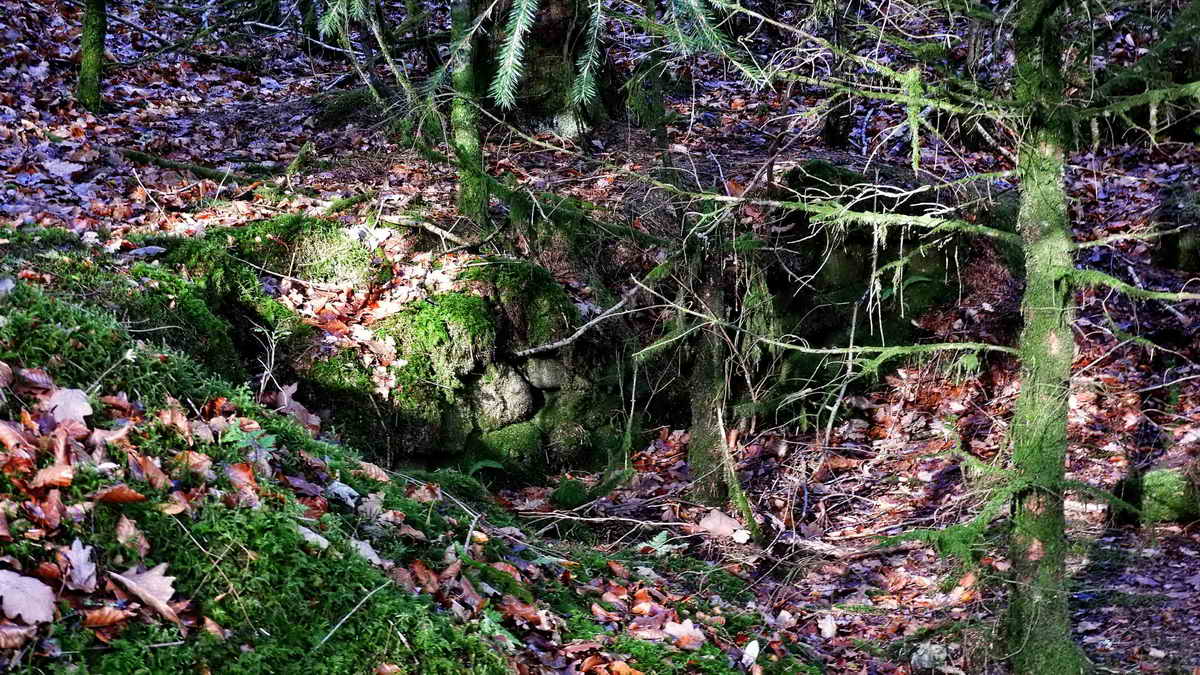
column 1038, row 621
column 91, row 54
column 706, row 450
column 464, row 116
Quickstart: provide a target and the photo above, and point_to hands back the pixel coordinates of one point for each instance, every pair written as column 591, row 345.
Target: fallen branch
column 558, row 344
column 430, row 228
column 201, row 171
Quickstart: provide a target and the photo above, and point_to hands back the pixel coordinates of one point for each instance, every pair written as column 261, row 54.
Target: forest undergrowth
column 161, row 515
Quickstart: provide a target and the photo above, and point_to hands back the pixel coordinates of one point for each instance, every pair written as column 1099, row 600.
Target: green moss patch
column 536, row 308
column 1168, row 496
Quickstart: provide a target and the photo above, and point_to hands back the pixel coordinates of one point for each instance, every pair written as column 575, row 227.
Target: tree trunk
column 706, row 450
column 1038, row 621
column 91, row 56
column 464, row 117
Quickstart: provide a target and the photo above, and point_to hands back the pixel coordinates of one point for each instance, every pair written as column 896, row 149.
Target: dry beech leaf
column 152, row 587
column 82, row 576
column 68, row 404
column 718, row 524
column 174, row 417
column 196, row 462
column 118, row 494
column 176, row 504
column 55, row 475
column 105, row 616
column 407, row 530
column 213, row 628
column 622, row 668
column 149, row 470
column 387, row 669
column 373, row 472
column 242, row 477
column 129, row 536
column 6, row 374
column 425, row 493
column 47, row 512
column 102, row 437
column 34, row 378
column 11, row 436
column 12, row 636
column 26, row 598
column 686, row 635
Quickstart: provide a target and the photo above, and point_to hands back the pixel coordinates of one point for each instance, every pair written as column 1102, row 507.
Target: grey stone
column 547, row 373
column 502, row 397
column 929, row 656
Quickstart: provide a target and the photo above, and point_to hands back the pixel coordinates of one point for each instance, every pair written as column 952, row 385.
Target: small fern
column 658, row 546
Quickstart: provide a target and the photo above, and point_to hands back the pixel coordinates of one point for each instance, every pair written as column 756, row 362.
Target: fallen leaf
column 68, row 404
column 82, row 576
column 26, row 598
column 12, row 636
column 56, row 475
column 242, row 477
column 828, row 626
column 719, row 524
column 425, row 493
column 213, row 628
column 195, row 462
column 148, row 470
column 105, row 616
column 129, row 536
column 118, row 494
column 373, row 472
column 151, row 586
column 173, row 417
column 622, row 668
column 686, row 635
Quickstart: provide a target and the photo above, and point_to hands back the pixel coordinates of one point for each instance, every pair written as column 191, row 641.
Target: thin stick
column 577, row 334
column 348, row 615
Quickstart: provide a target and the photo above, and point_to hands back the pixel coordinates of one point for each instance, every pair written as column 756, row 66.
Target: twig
column 1164, row 385
column 577, row 334
column 313, row 284
column 338, row 625
column 201, row 171
column 542, row 515
column 430, row 228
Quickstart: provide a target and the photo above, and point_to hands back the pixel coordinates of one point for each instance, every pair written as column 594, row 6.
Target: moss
column 346, row 203
column 536, row 306
column 570, row 493
column 77, row 346
column 1168, row 496
column 454, row 331
column 515, row 446
column 342, row 107
column 284, row 602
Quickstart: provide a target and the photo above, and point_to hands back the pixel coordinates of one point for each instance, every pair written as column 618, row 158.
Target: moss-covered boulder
column 501, row 397
column 515, row 446
column 533, row 306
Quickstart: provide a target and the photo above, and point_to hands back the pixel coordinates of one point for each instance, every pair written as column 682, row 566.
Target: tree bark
column 464, row 116
column 706, row 449
column 91, row 57
column 1038, row 622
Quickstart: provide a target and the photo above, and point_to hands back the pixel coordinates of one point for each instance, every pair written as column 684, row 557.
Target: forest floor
column 825, row 582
